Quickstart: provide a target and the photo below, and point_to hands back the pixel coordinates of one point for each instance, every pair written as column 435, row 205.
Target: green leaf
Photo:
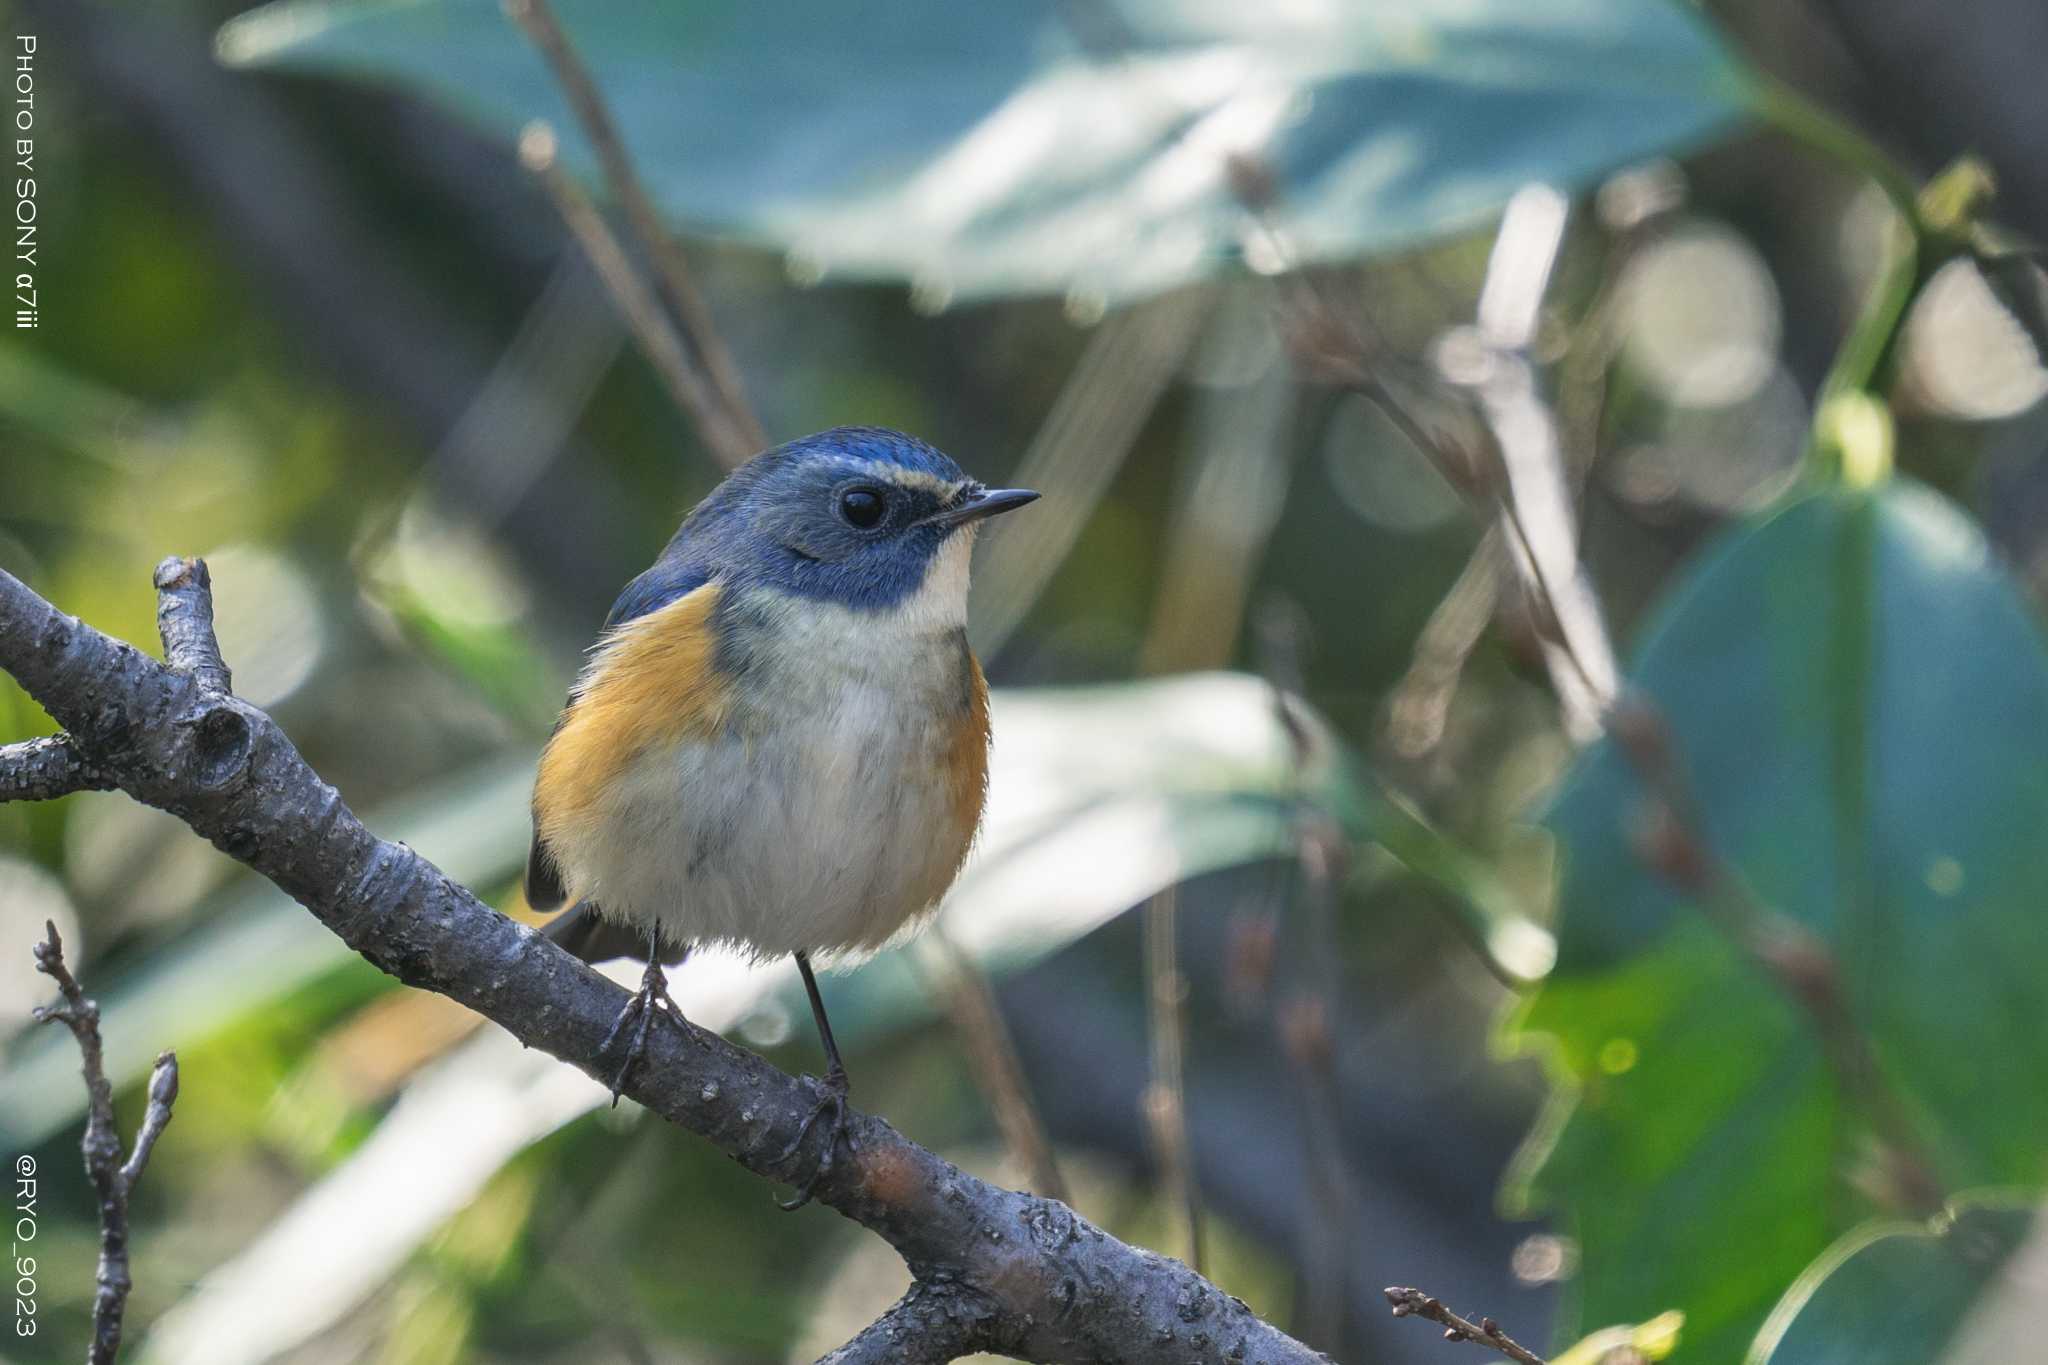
column 1861, row 702
column 1035, row 147
column 1898, row 1293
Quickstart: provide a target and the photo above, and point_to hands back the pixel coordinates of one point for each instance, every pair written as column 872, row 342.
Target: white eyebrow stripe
column 906, row 478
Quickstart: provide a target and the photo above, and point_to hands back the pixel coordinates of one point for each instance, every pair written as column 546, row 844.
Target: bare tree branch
column 47, row 768
column 1485, row 1332
column 1058, row 1288
column 112, row 1179
column 930, row 1325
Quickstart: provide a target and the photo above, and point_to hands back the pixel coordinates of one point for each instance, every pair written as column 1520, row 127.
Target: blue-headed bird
column 780, row 739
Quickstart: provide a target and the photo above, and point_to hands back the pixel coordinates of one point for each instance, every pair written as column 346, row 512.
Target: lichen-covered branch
column 1057, row 1288
column 113, row 1179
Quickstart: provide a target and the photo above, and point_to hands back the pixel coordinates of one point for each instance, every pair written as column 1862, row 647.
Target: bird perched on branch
column 780, row 740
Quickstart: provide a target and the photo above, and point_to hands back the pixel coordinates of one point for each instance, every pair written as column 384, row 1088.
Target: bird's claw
column 833, row 1101
column 651, row 999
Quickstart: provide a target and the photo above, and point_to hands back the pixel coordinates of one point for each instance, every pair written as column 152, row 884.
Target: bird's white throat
column 940, row 602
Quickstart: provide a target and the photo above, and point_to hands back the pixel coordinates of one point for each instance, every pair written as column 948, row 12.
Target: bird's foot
column 832, row 1103
column 651, row 999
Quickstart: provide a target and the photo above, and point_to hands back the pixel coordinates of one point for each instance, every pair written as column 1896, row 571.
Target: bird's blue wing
column 655, row 589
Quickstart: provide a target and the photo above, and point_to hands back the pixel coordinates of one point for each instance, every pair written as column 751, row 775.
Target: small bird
column 780, row 739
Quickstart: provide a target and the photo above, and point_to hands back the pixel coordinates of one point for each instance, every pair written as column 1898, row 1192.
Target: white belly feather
column 818, row 819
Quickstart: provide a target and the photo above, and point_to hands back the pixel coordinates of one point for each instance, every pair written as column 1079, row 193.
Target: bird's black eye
column 862, row 508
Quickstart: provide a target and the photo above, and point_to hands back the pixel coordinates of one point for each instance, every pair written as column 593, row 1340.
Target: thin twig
column 739, row 431
column 1674, row 843
column 1307, row 1021
column 999, row 1073
column 47, row 768
column 1485, row 1332
column 1165, row 1099
column 659, row 340
column 112, row 1179
column 1677, row 844
column 184, row 620
column 1194, row 624
column 1535, row 493
column 1580, row 660
column 1420, row 706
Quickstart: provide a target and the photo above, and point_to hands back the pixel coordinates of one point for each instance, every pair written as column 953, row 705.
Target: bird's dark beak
column 986, row 502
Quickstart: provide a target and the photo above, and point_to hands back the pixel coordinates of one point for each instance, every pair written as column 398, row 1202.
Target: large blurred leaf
column 1862, row 703
column 1043, row 146
column 1894, row 1293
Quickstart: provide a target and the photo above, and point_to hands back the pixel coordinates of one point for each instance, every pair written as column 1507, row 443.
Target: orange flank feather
column 967, row 766
column 652, row 683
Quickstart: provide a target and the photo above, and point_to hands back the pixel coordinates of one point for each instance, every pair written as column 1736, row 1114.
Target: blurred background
column 1239, row 294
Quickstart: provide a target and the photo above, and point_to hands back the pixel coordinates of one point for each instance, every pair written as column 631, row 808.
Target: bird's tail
column 583, row 933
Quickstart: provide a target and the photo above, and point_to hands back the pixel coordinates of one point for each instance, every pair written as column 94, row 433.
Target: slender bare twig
column 1535, row 493
column 1637, row 208
column 1485, row 1332
column 1194, row 624
column 659, row 340
column 1420, row 706
column 1523, row 435
column 1676, row 843
column 184, row 621
column 1307, row 1020
column 113, row 1179
column 1673, row 842
column 44, row 769
column 737, row 432
column 1058, row 1288
column 971, row 1004
column 1165, row 1099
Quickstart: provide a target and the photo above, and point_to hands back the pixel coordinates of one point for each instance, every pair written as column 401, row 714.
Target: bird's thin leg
column 832, row 1102
column 651, row 999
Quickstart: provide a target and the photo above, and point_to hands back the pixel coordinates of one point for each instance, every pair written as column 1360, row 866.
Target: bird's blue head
column 858, row 516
